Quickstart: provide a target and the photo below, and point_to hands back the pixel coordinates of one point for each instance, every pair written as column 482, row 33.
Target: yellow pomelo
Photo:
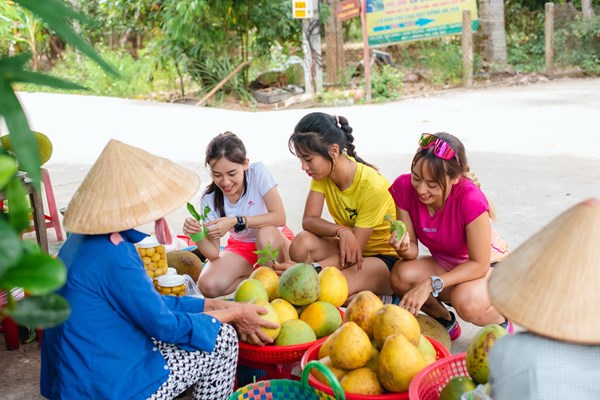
column 399, row 361
column 250, row 289
column 334, row 286
column 350, row 347
column 391, row 319
column 285, row 310
column 323, row 318
column 271, row 316
column 269, row 279
column 326, row 346
column 338, row 372
column 362, row 310
column 374, row 360
column 44, row 144
column 361, row 381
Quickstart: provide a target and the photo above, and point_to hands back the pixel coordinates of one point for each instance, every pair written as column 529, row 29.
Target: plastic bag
column 191, row 287
column 481, row 392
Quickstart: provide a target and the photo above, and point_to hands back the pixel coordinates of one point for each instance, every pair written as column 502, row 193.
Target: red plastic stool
column 10, row 327
column 52, row 220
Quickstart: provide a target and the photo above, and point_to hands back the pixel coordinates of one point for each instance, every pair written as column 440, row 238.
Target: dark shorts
column 388, row 260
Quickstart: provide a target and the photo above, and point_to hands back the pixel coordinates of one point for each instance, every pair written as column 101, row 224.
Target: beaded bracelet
column 339, row 230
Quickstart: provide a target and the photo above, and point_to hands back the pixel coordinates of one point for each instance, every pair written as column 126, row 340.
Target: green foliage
column 200, row 33
column 140, row 78
column 386, row 83
column 196, row 237
column 524, row 37
column 579, row 42
column 21, row 263
column 267, row 255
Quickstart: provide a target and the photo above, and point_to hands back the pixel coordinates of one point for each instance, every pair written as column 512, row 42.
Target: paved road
column 536, row 149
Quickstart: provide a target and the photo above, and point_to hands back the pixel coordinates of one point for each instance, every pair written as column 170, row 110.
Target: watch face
column 437, row 284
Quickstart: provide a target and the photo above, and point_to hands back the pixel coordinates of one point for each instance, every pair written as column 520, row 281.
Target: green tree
column 22, row 264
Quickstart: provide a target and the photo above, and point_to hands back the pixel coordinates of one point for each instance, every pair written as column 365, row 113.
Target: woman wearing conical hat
column 550, row 286
column 123, row 340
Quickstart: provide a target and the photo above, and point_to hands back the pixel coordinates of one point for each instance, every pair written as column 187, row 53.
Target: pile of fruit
column 476, row 361
column 378, row 349
column 303, row 302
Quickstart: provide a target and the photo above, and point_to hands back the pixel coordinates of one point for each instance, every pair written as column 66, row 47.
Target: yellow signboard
column 391, row 21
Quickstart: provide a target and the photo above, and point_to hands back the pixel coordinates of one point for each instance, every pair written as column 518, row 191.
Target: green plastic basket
column 287, row 389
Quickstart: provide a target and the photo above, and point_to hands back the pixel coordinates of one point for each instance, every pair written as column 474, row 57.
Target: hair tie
column 337, row 121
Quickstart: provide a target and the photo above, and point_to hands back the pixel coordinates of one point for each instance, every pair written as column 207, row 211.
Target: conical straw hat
column 550, row 285
column 128, row 187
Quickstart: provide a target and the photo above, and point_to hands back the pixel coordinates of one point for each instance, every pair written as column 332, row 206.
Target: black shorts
column 388, row 260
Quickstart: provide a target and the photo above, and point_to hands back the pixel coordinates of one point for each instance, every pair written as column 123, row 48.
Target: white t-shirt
column 259, row 181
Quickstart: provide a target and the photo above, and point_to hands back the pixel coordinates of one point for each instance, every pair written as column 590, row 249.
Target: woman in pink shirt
column 443, row 208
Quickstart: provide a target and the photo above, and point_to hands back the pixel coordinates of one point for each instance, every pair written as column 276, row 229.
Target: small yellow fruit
column 285, row 310
column 269, row 278
column 271, row 316
column 334, row 286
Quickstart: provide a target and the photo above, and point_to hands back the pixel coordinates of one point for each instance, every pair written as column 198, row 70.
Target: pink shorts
column 247, row 249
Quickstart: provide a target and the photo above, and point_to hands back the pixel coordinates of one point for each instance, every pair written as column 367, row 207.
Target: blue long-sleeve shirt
column 104, row 350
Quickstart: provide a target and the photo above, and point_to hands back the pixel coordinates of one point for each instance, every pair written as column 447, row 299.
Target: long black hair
column 230, row 146
column 315, row 132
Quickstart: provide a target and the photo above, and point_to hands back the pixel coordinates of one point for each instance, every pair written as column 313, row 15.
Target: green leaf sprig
column 267, row 255
column 196, row 237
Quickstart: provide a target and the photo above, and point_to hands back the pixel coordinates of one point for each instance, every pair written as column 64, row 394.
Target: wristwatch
column 240, row 224
column 437, row 284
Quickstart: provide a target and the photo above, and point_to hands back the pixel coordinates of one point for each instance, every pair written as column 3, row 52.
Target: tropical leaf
column 38, row 273
column 40, row 311
column 23, row 142
column 53, row 12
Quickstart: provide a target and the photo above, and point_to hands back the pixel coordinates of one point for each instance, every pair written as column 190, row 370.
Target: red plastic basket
column 275, row 354
column 428, row 383
column 313, row 354
column 277, row 361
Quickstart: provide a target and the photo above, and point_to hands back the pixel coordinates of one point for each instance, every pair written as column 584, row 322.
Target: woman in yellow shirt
column 357, row 197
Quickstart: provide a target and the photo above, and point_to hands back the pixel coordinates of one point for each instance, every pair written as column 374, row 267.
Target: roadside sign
column 405, row 20
column 347, row 9
column 304, row 8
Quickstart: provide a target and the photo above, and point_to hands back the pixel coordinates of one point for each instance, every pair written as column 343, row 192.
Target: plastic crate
column 428, row 383
column 313, row 354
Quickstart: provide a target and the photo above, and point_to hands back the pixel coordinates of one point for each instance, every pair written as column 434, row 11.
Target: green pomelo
column 455, row 388
column 44, row 144
column 299, row 284
column 323, row 317
column 478, row 350
column 250, row 289
column 295, row 331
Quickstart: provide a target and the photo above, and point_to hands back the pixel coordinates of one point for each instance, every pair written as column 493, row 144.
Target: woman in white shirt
column 244, row 202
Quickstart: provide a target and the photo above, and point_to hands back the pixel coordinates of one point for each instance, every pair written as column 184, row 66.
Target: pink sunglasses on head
column 440, row 148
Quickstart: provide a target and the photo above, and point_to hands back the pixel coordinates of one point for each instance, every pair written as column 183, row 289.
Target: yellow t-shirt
column 364, row 204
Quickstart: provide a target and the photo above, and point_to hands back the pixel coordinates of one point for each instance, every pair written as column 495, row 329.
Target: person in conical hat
column 124, row 340
column 550, row 286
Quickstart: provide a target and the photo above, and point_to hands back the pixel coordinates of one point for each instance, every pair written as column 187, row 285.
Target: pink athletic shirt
column 444, row 234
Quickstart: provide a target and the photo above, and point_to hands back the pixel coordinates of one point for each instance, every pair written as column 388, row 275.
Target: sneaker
column 452, row 326
column 387, row 299
column 508, row 326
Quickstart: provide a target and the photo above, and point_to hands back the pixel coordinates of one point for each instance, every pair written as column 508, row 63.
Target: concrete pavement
column 535, row 149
